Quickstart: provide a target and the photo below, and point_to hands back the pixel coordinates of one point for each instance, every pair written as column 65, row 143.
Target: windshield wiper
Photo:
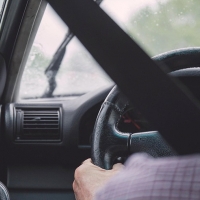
column 52, row 70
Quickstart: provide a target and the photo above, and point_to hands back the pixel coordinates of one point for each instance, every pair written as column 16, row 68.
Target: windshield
column 156, row 25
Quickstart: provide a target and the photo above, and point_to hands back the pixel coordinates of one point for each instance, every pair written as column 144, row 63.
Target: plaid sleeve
column 144, row 177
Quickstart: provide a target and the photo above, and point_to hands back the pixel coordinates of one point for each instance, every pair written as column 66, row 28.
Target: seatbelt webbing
column 167, row 107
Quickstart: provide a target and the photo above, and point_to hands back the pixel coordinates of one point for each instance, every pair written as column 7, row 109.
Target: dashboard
column 45, row 142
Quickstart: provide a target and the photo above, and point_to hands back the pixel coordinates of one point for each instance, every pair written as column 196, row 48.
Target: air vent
column 38, row 124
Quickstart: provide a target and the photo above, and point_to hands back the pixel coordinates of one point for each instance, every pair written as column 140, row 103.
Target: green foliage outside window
column 170, row 25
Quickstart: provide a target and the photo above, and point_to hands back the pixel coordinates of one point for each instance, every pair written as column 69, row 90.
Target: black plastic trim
column 15, row 134
column 19, row 132
column 11, row 26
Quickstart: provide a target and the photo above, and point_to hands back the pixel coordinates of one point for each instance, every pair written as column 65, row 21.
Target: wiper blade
column 52, row 70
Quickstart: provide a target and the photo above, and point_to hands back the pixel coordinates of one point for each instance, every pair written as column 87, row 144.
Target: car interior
column 77, row 83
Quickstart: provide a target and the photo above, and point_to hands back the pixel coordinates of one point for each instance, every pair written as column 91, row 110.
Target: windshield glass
column 156, row 25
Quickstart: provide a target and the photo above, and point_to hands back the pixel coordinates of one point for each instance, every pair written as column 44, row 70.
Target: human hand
column 88, row 178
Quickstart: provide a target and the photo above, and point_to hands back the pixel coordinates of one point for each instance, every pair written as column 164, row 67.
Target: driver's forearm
column 148, row 178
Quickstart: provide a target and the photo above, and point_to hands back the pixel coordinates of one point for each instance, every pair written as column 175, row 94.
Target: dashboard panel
column 40, row 156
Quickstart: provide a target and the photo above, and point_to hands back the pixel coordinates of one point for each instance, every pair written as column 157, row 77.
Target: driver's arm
column 89, row 178
column 142, row 177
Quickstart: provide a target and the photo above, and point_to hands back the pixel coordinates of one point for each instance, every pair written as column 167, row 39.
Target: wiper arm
column 52, row 70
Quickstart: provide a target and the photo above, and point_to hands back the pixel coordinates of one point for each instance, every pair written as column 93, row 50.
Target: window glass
column 78, row 73
column 2, row 3
column 158, row 25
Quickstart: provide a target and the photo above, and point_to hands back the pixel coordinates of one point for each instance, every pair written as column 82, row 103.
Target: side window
column 2, row 6
column 77, row 74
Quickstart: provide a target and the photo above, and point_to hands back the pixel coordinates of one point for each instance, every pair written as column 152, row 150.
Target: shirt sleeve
column 144, row 177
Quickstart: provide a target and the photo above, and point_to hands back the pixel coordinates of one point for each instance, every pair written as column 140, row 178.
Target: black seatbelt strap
column 167, row 107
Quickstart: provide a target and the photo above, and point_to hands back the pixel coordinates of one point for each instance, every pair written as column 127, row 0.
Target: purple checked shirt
column 144, row 177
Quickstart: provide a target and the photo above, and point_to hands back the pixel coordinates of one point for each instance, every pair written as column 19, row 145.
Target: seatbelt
column 172, row 111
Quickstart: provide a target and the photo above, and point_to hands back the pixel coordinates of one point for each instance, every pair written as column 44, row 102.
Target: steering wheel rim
column 108, row 142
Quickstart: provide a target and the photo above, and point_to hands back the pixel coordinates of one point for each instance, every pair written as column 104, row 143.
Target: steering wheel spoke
column 150, row 142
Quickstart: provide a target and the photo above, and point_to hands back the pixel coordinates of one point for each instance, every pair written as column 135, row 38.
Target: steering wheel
column 108, row 142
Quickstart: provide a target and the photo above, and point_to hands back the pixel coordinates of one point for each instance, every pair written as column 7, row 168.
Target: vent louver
column 38, row 124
